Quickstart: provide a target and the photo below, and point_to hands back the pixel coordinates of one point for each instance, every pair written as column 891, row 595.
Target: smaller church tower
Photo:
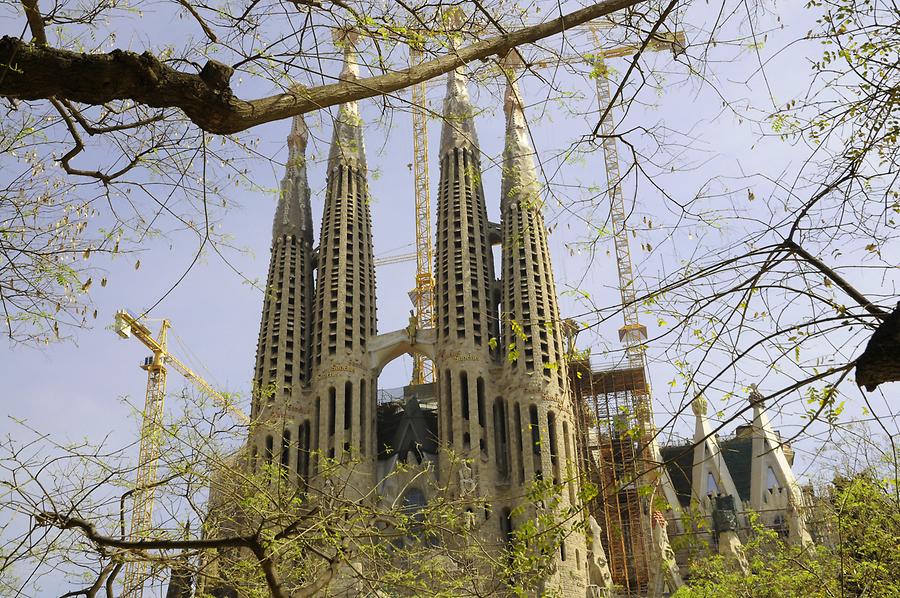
column 282, row 352
column 535, row 372
column 465, row 316
column 343, row 387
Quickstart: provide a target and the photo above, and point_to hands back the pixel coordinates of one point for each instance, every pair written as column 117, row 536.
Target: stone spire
column 293, row 216
column 458, row 131
column 343, row 387
column 464, row 264
column 709, row 461
column 520, row 182
column 465, row 316
column 535, row 372
column 768, row 455
column 347, row 140
column 282, row 355
column 532, row 330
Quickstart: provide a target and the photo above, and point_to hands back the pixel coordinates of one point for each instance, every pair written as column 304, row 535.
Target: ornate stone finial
column 698, row 405
column 347, row 39
column 756, row 399
column 347, row 141
column 458, row 130
column 297, row 139
column 512, row 64
column 454, row 19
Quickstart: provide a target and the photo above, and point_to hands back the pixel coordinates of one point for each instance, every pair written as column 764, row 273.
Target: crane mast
column 633, row 334
column 625, row 462
column 423, row 294
column 135, row 571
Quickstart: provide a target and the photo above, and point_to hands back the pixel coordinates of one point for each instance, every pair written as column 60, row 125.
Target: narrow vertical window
column 317, row 422
column 270, row 448
column 536, row 442
column 448, row 401
column 302, row 440
column 464, row 394
column 506, row 526
column 464, row 399
column 362, row 418
column 501, row 439
column 479, row 394
column 570, row 462
column 332, row 411
column 519, row 446
column 348, row 404
column 285, row 449
column 554, row 450
column 479, row 389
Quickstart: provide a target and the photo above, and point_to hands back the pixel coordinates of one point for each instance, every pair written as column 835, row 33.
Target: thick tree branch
column 32, row 72
column 89, row 530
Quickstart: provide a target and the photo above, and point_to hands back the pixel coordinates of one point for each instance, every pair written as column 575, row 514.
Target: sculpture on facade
column 599, row 575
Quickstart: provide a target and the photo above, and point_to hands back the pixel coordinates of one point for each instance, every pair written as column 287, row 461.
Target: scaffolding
column 612, row 440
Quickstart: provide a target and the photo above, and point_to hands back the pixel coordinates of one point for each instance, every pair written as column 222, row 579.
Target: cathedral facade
column 498, row 415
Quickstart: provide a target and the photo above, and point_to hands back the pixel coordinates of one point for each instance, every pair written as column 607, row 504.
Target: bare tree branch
column 30, row 72
column 836, row 278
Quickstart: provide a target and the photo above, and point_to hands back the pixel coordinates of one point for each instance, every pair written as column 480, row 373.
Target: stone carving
column 756, row 397
column 470, row 520
column 412, row 327
column 725, row 514
column 599, row 575
column 665, row 571
column 698, row 405
column 725, row 524
column 467, row 482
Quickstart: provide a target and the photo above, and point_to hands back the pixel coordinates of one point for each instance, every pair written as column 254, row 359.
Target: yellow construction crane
column 151, row 432
column 387, row 260
column 423, row 293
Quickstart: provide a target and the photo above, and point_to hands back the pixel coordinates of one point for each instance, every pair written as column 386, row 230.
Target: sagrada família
column 493, row 421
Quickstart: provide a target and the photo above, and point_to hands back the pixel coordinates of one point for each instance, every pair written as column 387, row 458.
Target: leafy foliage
column 855, row 555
